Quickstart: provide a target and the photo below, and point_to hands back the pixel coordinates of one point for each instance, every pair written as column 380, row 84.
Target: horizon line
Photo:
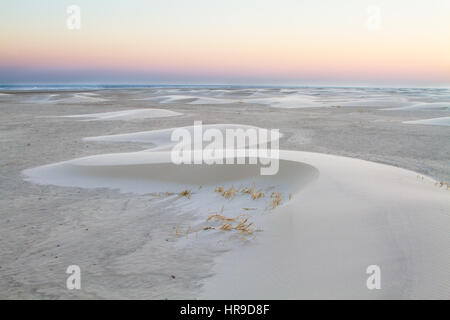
column 90, row 84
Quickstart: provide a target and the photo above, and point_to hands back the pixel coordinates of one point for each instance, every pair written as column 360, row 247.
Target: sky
column 268, row 42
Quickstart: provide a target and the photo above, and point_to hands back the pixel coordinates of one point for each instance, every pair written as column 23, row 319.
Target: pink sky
column 409, row 49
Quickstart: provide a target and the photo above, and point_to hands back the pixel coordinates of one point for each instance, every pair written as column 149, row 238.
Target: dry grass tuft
column 276, row 200
column 219, row 217
column 248, row 190
column 161, row 194
column 442, row 184
column 226, row 226
column 232, row 191
column 229, row 193
column 186, row 193
column 257, row 195
column 188, row 231
column 244, row 227
column 251, row 191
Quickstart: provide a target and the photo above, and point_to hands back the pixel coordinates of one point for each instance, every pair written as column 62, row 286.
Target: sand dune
column 40, row 98
column 88, row 97
column 64, row 98
column 356, row 214
column 377, row 103
column 133, row 114
column 153, row 173
column 306, row 97
column 147, row 172
column 423, row 106
column 294, row 101
column 189, row 99
column 161, row 139
column 345, row 215
column 441, row 121
column 168, row 98
column 336, row 216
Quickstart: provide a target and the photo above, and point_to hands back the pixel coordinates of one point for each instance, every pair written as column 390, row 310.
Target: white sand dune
column 189, row 99
column 423, row 106
column 161, row 139
column 40, row 98
column 441, row 121
column 287, row 101
column 88, row 97
column 153, row 173
column 167, row 98
column 376, row 103
column 211, row 100
column 346, row 214
column 91, row 94
column 133, row 114
column 148, row 172
column 356, row 214
column 304, row 97
column 64, row 98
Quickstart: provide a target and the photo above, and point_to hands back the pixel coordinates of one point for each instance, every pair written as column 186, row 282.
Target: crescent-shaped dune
column 161, row 139
column 132, row 114
column 356, row 214
column 149, row 172
column 346, row 214
column 441, row 121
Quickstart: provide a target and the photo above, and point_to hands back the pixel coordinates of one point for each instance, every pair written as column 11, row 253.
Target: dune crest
column 133, row 114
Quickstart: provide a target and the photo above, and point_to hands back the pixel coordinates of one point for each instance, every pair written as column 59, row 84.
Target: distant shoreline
column 77, row 87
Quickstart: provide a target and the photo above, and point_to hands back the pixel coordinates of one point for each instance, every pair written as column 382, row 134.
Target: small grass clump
column 254, row 194
column 276, row 200
column 219, row 217
column 230, row 224
column 161, row 194
column 226, row 226
column 188, row 231
column 228, row 194
column 244, row 227
column 186, row 193
column 232, row 191
column 257, row 195
column 442, row 184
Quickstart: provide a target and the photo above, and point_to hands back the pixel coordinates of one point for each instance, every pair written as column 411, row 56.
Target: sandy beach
column 87, row 180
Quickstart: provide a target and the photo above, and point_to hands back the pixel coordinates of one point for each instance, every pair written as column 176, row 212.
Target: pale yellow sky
column 358, row 41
